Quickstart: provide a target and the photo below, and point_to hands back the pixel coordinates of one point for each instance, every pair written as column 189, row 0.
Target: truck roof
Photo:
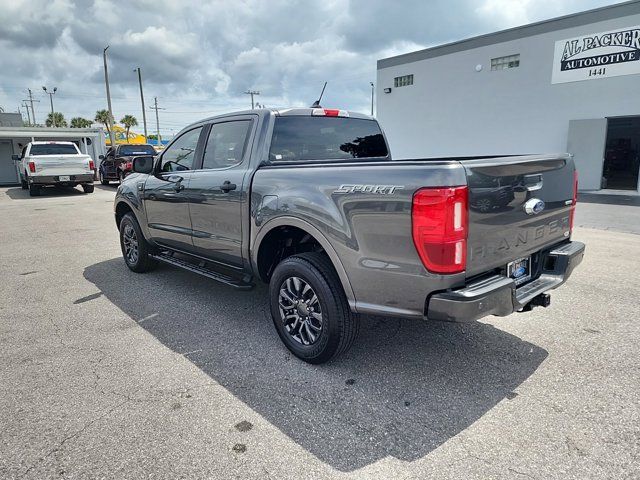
column 281, row 112
column 50, row 142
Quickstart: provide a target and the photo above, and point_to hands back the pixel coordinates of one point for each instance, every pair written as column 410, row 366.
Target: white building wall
column 454, row 110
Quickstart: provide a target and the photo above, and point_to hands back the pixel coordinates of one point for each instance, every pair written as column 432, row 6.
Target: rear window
column 298, row 138
column 137, row 150
column 53, row 149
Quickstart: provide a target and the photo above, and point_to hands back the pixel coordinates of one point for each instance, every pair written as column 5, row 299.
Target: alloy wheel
column 130, row 242
column 300, row 311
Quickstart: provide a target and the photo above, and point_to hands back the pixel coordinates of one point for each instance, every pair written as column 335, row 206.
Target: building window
column 501, row 63
column 403, row 81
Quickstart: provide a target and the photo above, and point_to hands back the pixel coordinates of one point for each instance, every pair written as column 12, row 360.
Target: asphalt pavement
column 105, row 373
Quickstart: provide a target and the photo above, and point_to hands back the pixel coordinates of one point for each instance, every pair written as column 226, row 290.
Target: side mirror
column 101, row 157
column 143, row 164
column 15, row 157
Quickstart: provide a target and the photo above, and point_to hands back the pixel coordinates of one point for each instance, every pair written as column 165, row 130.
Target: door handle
column 228, row 186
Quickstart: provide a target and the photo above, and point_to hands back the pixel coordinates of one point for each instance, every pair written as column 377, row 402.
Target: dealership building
column 566, row 84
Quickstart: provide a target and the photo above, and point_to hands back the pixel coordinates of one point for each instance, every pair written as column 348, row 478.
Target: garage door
column 8, row 173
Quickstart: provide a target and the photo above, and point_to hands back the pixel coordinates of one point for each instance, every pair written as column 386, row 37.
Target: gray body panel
column 358, row 211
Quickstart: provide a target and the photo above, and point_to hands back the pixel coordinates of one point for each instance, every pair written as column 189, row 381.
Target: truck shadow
column 20, row 194
column 404, row 389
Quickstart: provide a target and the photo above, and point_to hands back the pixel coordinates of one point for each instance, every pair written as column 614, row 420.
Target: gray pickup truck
column 310, row 201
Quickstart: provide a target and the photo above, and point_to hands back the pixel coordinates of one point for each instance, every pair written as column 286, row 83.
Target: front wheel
column 135, row 249
column 101, row 178
column 309, row 308
column 23, row 183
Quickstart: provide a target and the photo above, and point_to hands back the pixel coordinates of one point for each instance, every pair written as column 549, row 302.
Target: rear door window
column 53, row 149
column 298, row 138
column 226, row 144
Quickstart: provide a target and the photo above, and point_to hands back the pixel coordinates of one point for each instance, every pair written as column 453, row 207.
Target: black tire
column 88, row 188
column 120, row 176
column 338, row 325
column 140, row 262
column 23, row 183
column 34, row 190
column 101, row 178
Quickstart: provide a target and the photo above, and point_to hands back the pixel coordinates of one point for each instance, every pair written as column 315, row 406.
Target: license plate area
column 64, row 178
column 519, row 270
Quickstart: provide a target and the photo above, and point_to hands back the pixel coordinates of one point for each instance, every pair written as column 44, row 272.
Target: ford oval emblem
column 534, row 206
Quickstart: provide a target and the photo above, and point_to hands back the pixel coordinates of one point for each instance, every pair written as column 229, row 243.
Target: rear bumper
column 498, row 295
column 55, row 179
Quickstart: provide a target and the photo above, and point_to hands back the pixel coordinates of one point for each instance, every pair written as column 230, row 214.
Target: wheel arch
column 293, row 222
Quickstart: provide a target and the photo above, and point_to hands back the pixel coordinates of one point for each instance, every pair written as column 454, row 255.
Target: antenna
column 316, row 104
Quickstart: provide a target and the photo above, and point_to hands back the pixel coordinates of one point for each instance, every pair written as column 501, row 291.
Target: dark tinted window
column 53, row 149
column 180, row 154
column 298, row 138
column 137, row 150
column 226, row 144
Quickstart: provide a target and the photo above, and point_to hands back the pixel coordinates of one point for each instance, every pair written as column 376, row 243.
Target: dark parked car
column 116, row 165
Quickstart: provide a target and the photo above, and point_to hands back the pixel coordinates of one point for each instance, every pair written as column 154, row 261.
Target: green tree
column 151, row 136
column 79, row 122
column 128, row 121
column 55, row 119
column 102, row 116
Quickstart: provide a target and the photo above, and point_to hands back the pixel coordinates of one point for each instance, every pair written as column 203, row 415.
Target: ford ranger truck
column 54, row 163
column 310, row 201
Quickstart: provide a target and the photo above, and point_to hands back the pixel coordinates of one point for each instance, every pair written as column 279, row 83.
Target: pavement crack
column 67, row 438
column 518, row 472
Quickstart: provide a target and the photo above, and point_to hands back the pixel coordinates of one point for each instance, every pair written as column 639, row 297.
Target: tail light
column 92, row 166
column 575, row 200
column 439, row 219
column 32, row 167
column 128, row 166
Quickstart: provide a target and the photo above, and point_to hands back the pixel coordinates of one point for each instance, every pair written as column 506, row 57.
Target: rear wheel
column 309, row 308
column 88, row 188
column 120, row 176
column 101, row 178
column 34, row 190
column 135, row 249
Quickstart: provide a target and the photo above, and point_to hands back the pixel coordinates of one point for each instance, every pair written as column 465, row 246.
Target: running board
column 201, row 269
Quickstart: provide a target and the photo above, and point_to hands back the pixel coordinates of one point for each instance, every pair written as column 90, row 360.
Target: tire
column 23, row 183
column 120, row 176
column 338, row 326
column 88, row 188
column 130, row 230
column 34, row 190
column 101, row 178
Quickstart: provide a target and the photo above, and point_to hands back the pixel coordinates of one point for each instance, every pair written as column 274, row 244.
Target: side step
column 201, row 269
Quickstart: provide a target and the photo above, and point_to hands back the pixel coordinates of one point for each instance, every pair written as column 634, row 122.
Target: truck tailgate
column 507, row 221
column 61, row 164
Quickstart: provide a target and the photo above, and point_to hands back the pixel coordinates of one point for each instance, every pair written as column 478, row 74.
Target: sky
column 198, row 60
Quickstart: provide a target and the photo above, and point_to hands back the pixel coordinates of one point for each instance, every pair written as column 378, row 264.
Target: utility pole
column 26, row 106
column 33, row 113
column 372, row 88
column 156, row 108
column 51, row 94
column 252, row 93
column 144, row 113
column 106, row 81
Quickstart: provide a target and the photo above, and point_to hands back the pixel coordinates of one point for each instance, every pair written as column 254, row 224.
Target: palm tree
column 55, row 119
column 102, row 116
column 128, row 121
column 79, row 122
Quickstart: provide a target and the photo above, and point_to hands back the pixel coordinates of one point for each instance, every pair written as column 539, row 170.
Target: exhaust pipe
column 542, row 300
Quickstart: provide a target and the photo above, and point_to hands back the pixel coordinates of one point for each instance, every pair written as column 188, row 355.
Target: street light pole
column 51, row 94
column 372, row 88
column 106, row 81
column 144, row 114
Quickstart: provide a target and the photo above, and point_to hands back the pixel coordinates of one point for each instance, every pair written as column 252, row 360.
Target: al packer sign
column 598, row 55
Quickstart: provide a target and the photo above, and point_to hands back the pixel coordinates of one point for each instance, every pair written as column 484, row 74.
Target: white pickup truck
column 54, row 163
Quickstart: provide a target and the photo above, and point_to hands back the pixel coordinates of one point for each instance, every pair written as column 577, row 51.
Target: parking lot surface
column 105, row 373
